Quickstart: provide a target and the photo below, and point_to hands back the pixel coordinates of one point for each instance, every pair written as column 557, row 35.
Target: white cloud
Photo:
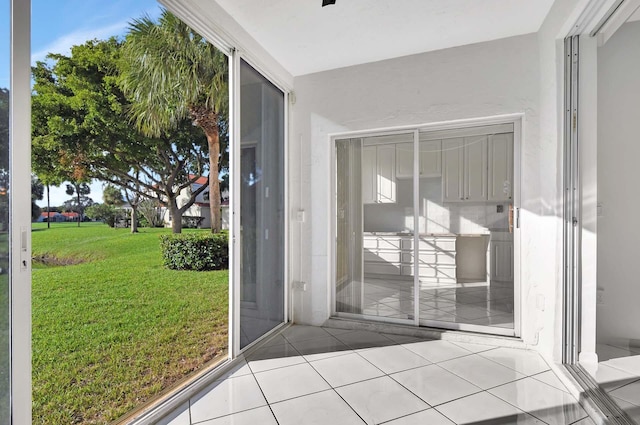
column 63, row 44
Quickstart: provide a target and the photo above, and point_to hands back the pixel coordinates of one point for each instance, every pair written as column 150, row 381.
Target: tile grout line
column 336, row 392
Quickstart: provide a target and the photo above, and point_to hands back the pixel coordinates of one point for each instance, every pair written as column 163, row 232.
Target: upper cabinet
column 379, row 174
column 430, row 159
column 478, row 168
column 452, row 169
column 464, row 174
column 500, row 167
column 475, row 168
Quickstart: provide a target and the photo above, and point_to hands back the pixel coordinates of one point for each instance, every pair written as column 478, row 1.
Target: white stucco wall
column 546, row 204
column 618, row 317
column 486, row 79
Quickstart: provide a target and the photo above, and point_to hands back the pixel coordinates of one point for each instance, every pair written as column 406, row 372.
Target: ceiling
column 305, row 37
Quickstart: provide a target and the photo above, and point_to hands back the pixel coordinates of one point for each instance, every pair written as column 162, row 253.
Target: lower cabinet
column 393, row 255
column 501, row 257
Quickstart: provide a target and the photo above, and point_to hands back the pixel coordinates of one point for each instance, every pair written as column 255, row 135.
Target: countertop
column 450, row 235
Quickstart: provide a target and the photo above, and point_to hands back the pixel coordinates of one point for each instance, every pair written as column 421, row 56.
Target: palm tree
column 171, row 73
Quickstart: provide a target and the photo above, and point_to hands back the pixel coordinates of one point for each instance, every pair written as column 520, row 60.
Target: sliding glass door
column 428, row 216
column 262, row 213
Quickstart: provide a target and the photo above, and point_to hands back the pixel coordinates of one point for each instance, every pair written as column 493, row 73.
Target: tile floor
column 313, row 375
column 472, row 303
column 620, row 378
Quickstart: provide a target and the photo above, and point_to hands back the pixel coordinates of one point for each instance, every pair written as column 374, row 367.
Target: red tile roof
column 201, row 179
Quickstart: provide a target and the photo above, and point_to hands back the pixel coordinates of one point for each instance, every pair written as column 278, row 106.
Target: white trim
column 199, row 24
column 586, row 16
column 616, row 19
column 234, row 203
column 216, row 25
column 599, row 18
column 416, row 227
column 518, row 160
column 287, row 214
column 438, row 125
column 20, row 207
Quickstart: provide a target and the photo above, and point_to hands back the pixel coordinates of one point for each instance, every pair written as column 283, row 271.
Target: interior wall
column 618, row 176
column 485, row 79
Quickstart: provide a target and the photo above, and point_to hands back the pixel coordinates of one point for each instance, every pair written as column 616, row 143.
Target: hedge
column 195, row 251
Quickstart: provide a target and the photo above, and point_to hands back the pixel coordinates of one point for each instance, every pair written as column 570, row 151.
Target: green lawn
column 115, row 330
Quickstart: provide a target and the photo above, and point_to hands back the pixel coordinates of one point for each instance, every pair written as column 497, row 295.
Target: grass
column 116, row 329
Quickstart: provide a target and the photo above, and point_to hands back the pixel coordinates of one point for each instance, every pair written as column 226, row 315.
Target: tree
column 167, row 165
column 37, row 193
column 173, row 74
column 82, row 201
column 150, row 210
column 81, row 130
column 103, row 212
column 112, row 196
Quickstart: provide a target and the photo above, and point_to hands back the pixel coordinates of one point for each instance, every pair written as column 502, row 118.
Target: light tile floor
column 312, row 375
column 472, row 303
column 620, row 378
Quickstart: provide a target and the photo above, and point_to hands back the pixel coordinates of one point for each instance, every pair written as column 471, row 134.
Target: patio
column 317, row 375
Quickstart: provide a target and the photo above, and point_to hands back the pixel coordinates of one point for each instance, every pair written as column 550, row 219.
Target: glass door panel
column 466, row 245
column 262, row 231
column 349, row 285
column 375, row 227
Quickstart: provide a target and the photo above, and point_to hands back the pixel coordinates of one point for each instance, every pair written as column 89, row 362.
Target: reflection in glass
column 261, row 205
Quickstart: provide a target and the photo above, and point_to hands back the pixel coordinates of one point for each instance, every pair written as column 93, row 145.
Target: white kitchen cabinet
column 464, row 174
column 379, row 174
column 404, row 160
column 501, row 257
column 386, row 193
column 430, row 159
column 369, row 175
column 393, row 255
column 475, row 168
column 452, row 169
column 500, row 148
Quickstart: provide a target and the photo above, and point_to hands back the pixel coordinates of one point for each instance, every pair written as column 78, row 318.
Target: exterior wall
column 618, row 173
column 543, row 207
column 481, row 80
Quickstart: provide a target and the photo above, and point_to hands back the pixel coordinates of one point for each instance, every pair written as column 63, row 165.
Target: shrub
column 102, row 212
column 195, row 251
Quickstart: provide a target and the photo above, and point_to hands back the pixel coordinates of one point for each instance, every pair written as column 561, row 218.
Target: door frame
column 593, row 23
column 20, row 202
column 517, row 120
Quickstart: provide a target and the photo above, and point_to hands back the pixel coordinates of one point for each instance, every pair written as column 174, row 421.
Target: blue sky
column 58, row 25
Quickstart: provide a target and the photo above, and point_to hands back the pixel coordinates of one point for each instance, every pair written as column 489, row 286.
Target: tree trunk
column 48, row 209
column 176, row 216
column 78, row 196
column 213, row 139
column 134, row 219
column 207, row 120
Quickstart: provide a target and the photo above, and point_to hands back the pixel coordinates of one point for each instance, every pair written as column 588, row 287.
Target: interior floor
column 618, row 373
column 316, row 376
column 476, row 303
